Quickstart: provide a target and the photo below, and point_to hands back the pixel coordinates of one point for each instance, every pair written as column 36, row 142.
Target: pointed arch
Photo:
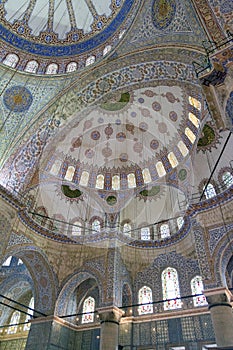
column 197, row 288
column 88, row 310
column 145, row 300
column 14, row 322
column 170, row 289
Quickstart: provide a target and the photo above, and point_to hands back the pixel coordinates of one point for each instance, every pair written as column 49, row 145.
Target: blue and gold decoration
column 17, row 99
column 163, row 13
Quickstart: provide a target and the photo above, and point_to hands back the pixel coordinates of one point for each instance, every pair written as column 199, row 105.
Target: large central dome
column 80, row 25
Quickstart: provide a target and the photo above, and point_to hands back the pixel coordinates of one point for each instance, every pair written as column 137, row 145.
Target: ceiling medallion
column 163, row 13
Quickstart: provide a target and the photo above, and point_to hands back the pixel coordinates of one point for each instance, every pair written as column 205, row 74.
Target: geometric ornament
column 17, row 99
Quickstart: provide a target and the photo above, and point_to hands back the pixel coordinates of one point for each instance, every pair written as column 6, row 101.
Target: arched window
column 227, row 179
column 71, row 67
column 88, row 310
column 127, row 229
column 190, row 135
column 146, row 176
column 197, row 288
column 164, row 231
column 96, row 225
column 31, row 67
column 194, row 120
column 183, row 148
column 26, row 327
column 99, row 182
column 11, row 60
column 107, row 49
column 52, row 68
column 160, row 169
column 171, row 289
column 76, row 228
column 209, row 191
column 14, row 321
column 195, row 103
column 116, row 182
column 172, row 159
column 131, row 180
column 90, row 60
column 56, row 167
column 69, row 173
column 145, row 298
column 145, row 233
column 84, row 178
column 180, row 222
column 7, row 262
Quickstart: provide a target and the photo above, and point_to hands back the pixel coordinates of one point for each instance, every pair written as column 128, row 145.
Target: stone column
column 109, row 333
column 221, row 314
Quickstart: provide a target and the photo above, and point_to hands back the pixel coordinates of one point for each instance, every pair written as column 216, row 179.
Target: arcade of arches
column 116, row 174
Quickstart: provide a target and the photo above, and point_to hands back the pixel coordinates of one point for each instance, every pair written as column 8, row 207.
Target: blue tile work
column 21, row 101
column 163, row 13
column 17, row 99
column 151, row 276
column 189, row 331
column 180, row 25
column 216, row 234
column 45, row 286
column 68, row 49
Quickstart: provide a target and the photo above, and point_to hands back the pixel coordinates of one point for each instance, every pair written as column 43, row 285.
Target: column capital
column 110, row 314
column 218, row 295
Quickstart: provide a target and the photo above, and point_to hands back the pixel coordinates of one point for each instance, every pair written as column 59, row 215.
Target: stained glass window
column 96, row 225
column 145, row 233
column 90, row 60
column 31, row 67
column 127, row 228
column 227, row 179
column 197, row 288
column 26, row 327
column 70, row 173
column 100, row 181
column 190, row 135
column 76, row 228
column 84, row 178
column 160, row 169
column 116, row 182
column 180, row 222
column 52, row 69
column 11, row 60
column 131, row 180
column 172, row 159
column 171, row 289
column 107, row 49
column 183, row 148
column 146, row 175
column 14, row 321
column 88, row 310
column 209, row 191
column 71, row 67
column 145, row 297
column 164, row 231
